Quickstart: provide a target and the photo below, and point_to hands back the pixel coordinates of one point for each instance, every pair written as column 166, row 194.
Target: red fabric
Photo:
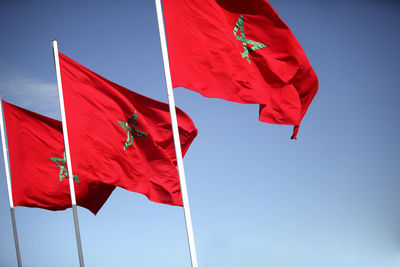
column 205, row 56
column 93, row 106
column 32, row 140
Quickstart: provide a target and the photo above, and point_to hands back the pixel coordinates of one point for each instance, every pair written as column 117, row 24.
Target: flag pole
column 174, row 123
column 67, row 153
column 10, row 198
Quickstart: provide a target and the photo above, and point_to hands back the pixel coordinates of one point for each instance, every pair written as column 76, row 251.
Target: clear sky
column 258, row 199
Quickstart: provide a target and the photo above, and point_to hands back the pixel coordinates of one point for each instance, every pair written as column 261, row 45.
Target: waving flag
column 241, row 51
column 39, row 175
column 120, row 137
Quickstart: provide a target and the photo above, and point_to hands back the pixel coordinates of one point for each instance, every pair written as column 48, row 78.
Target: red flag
column 38, row 170
column 241, row 51
column 120, row 137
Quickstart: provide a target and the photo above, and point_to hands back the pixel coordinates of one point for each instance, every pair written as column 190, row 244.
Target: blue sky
column 257, row 198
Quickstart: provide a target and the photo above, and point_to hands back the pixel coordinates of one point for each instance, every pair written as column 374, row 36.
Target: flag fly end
column 295, row 131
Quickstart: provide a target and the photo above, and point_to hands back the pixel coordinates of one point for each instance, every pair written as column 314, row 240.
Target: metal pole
column 174, row 122
column 6, row 166
column 67, row 153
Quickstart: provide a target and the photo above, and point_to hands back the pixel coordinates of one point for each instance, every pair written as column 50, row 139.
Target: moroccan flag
column 241, row 51
column 120, row 137
column 38, row 169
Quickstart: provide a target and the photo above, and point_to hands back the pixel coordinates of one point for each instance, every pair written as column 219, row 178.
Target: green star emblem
column 131, row 131
column 245, row 42
column 60, row 162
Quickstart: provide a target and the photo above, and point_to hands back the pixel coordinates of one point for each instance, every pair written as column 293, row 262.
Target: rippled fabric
column 39, row 176
column 120, row 137
column 241, row 51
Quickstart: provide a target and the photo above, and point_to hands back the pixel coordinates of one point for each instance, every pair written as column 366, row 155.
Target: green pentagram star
column 60, row 162
column 242, row 38
column 131, row 131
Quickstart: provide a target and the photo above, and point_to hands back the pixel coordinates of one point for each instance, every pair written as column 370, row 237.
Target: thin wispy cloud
column 30, row 92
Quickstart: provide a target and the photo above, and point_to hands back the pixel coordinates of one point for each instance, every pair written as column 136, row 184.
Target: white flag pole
column 10, row 198
column 174, row 122
column 67, row 153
